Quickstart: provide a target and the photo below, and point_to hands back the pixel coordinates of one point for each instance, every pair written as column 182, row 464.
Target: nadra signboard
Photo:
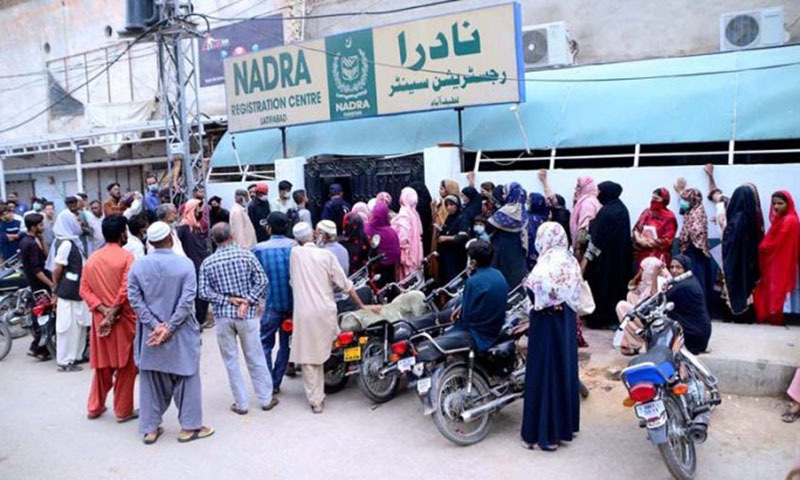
column 455, row 60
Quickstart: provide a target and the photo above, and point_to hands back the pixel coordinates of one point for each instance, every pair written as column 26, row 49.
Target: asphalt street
column 46, row 436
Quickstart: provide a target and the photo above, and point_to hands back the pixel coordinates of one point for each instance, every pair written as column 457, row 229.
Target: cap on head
column 72, row 199
column 262, row 189
column 302, row 231
column 335, row 189
column 327, row 226
column 158, row 231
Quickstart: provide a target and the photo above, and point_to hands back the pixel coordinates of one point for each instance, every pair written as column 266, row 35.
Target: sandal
column 791, row 413
column 132, row 416
column 536, row 446
column 152, row 437
column 240, row 411
column 203, row 432
column 94, row 416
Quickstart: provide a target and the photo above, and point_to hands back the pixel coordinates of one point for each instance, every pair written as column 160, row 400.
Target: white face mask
column 263, row 198
column 479, row 229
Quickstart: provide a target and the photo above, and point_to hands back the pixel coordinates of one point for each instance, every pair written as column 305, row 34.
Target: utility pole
column 177, row 66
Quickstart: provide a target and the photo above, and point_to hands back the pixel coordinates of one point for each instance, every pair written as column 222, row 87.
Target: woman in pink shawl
column 408, row 226
column 586, row 208
column 362, row 210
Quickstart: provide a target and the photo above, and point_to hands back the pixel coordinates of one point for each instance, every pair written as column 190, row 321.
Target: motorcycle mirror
column 375, row 241
column 376, row 277
column 670, row 306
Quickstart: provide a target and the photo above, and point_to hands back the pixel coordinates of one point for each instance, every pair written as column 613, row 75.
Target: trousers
column 248, row 333
column 270, row 325
column 314, row 383
column 122, row 380
column 158, row 389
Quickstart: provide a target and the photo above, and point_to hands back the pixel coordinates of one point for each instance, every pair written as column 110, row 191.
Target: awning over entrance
column 745, row 95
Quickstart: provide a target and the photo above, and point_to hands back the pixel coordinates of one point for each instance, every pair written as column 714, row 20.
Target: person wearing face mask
column 693, row 238
column 151, row 195
column 479, row 229
column 655, row 230
column 328, row 239
column 217, row 214
column 258, row 210
column 284, row 201
column 36, row 207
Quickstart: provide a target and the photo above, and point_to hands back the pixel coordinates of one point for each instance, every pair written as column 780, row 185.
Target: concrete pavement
column 46, row 435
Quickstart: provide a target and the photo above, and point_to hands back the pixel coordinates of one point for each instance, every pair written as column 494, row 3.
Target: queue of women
column 538, row 242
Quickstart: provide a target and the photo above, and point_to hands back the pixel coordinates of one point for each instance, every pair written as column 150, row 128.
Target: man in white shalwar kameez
column 314, row 272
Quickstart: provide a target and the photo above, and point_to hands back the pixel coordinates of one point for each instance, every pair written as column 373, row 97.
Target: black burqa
column 609, row 255
column 740, row 240
column 561, row 215
column 425, row 214
column 690, row 309
column 473, row 208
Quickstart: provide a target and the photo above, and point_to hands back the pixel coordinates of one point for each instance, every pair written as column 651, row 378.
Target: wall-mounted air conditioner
column 546, row 45
column 752, row 29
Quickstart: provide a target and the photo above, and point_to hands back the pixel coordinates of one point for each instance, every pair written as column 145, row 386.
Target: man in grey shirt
column 161, row 289
column 327, row 239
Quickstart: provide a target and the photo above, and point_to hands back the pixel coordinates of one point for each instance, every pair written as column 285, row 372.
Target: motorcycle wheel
column 7, row 305
column 5, row 340
column 336, row 378
column 679, row 451
column 377, row 389
column 452, row 399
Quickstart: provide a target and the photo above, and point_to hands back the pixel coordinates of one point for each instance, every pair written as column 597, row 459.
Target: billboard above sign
column 457, row 60
column 233, row 41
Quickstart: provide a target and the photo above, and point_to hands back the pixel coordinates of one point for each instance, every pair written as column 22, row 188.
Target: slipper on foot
column 133, row 415
column 151, row 438
column 94, row 416
column 204, row 432
column 272, row 404
column 240, row 411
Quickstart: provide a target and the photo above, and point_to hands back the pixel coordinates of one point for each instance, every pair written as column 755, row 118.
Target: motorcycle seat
column 404, row 329
column 450, row 342
column 657, row 355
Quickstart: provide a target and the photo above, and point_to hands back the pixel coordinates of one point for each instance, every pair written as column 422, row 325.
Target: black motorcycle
column 672, row 392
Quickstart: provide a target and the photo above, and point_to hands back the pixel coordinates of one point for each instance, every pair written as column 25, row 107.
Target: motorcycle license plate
column 405, row 364
column 352, row 354
column 423, row 385
column 651, row 411
column 43, row 319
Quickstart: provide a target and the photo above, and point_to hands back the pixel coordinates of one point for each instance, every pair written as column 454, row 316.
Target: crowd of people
column 139, row 273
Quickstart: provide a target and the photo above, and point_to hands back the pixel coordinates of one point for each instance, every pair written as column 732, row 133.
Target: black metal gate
column 361, row 177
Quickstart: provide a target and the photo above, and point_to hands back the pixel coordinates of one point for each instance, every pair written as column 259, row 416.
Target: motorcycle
column 15, row 297
column 413, row 281
column 461, row 387
column 44, row 314
column 672, row 392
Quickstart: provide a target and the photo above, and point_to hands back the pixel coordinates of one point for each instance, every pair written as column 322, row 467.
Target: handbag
column 586, row 304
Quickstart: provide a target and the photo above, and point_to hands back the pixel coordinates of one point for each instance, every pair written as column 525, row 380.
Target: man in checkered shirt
column 233, row 281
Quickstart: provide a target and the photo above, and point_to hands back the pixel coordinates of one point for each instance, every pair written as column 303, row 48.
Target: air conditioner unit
column 546, row 45
column 752, row 29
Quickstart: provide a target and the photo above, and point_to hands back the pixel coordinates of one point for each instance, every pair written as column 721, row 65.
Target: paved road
column 46, row 436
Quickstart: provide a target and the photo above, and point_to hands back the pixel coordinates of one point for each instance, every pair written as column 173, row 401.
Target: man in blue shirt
column 10, row 230
column 274, row 258
column 19, row 207
column 337, row 207
column 483, row 308
column 151, row 198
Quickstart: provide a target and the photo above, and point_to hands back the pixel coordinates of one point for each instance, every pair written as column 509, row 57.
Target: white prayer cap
column 158, row 231
column 302, row 231
column 327, row 226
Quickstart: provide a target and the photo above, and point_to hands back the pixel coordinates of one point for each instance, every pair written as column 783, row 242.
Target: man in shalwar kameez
column 314, row 272
column 162, row 288
column 104, row 288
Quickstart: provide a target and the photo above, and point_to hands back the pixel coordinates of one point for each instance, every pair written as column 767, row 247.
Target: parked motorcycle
column 44, row 314
column 671, row 391
column 461, row 387
column 15, row 297
column 413, row 281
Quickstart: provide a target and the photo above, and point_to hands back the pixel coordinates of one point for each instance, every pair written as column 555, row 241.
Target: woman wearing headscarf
column 690, row 311
column 389, row 243
column 609, row 256
column 488, row 206
column 471, row 199
column 778, row 256
column 643, row 286
column 425, row 211
column 559, row 213
column 510, row 237
column 355, row 241
column 453, row 237
column 538, row 213
column 585, row 209
column 743, row 233
column 362, row 210
column 446, row 188
column 409, row 231
column 655, row 230
column 551, row 412
column 693, row 239
column 386, row 198
column 193, row 240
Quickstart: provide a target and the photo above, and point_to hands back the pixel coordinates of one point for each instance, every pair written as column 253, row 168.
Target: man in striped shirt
column 274, row 258
column 232, row 280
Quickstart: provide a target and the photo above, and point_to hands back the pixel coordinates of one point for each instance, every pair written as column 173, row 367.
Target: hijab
column 560, row 214
column 538, row 213
column 473, row 208
column 451, row 188
column 740, row 241
column 380, row 225
column 695, row 222
column 556, row 278
column 454, row 224
column 425, row 212
column 510, row 217
column 408, row 226
column 66, row 227
column 644, row 279
column 189, row 216
column 384, row 197
column 778, row 255
column 362, row 210
column 586, row 206
column 355, row 241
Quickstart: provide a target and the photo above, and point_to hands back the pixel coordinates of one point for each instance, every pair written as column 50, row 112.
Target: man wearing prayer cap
column 161, row 289
column 327, row 239
column 336, row 208
column 315, row 272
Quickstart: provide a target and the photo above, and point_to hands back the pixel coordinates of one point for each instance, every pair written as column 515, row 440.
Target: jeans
column 271, row 323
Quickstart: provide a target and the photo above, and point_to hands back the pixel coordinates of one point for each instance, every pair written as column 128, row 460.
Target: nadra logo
column 351, row 73
column 266, row 73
